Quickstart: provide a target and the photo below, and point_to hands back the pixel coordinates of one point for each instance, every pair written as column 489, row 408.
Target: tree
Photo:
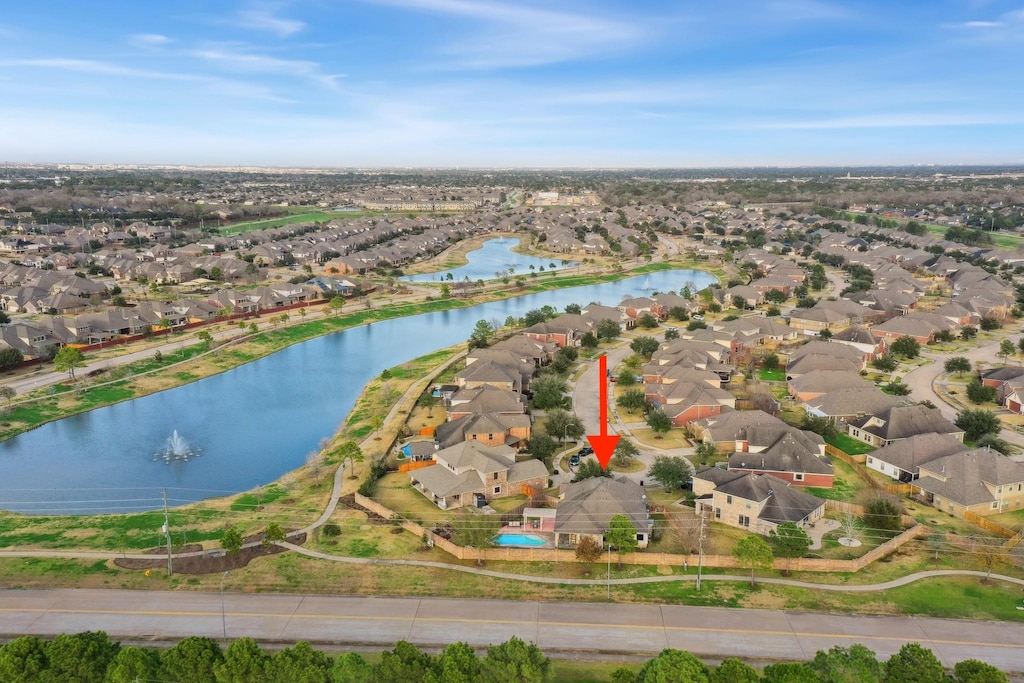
column 563, row 425
column 8, row 393
column 775, row 296
column 789, row 672
column 988, row 324
column 732, row 670
column 315, row 462
column 671, row 471
column 9, row 358
column 897, row 388
column 819, row 424
column 205, row 336
column 906, row 346
column 644, row 346
column 273, row 534
column 589, row 340
column 542, row 446
column 632, row 400
column 621, row 536
column 980, row 393
column 514, row 662
column 959, row 365
column 231, row 541
column 974, row 671
column 885, row 363
column 1007, row 349
column 336, row 304
column 770, row 361
column 573, row 309
column 588, row 550
column 589, row 469
column 23, row 660
column 659, row 423
column 674, row 665
column 457, row 663
column 244, row 662
column 67, row 359
column 914, row 664
column 671, row 334
column 481, row 335
column 548, row 391
column 706, row 451
column 679, row 313
column 624, row 451
column 626, row 377
column 647, row 322
column 883, row 512
column 192, row 660
column 427, row 400
column 80, row 657
column 133, row 664
column 608, row 329
column 968, row 333
column 754, row 553
column 352, row 668
column 300, row 664
column 825, row 334
column 406, row 663
column 976, row 422
column 858, row 664
column 789, row 540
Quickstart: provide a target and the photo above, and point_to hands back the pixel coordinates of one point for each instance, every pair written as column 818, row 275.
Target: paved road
column 556, row 627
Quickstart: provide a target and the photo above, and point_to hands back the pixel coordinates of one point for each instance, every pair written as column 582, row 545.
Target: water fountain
column 176, row 449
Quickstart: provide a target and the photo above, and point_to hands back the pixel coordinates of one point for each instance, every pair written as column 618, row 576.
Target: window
column 747, row 505
column 871, row 461
column 497, row 490
column 728, row 500
column 744, row 520
column 718, row 513
column 799, row 476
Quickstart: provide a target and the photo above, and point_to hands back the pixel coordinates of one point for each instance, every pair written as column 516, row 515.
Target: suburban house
column 485, row 398
column 470, row 473
column 847, row 404
column 754, row 502
column 819, row 382
column 684, row 402
column 492, row 373
column 587, row 507
column 565, row 330
column 902, row 459
column 491, row 429
column 793, row 455
column 725, row 429
column 901, row 422
column 981, row 481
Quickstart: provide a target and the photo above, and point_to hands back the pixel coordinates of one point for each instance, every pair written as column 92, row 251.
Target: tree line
column 92, row 657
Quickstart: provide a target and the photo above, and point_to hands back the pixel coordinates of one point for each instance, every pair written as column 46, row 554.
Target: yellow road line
column 497, row 622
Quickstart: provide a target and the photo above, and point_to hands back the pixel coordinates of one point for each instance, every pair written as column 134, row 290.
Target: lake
column 252, row 424
column 495, row 259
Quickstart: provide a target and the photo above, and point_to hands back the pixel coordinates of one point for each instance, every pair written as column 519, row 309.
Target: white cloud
column 261, row 17
column 981, row 24
column 902, row 120
column 149, row 40
column 521, row 35
column 97, row 68
column 240, row 60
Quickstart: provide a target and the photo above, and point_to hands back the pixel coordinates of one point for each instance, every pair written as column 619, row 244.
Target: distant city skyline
column 492, row 83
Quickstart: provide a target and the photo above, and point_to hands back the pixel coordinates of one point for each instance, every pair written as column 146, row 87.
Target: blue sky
column 500, row 83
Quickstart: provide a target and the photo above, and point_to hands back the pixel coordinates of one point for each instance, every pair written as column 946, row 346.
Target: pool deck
column 547, row 526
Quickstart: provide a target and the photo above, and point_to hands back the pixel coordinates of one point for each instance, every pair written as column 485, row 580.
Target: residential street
column 572, row 628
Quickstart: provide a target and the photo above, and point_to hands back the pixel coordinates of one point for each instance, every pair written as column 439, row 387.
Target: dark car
column 586, row 450
column 574, row 460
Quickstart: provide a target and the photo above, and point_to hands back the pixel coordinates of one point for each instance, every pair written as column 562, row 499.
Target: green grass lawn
column 848, row 444
column 775, row 375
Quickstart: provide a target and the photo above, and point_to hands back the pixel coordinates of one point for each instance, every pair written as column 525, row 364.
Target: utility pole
column 609, row 571
column 700, row 547
column 167, row 534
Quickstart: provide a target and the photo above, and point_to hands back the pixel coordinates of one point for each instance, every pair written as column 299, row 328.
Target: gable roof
column 961, row 477
column 910, row 453
column 781, row 503
column 901, row 422
column 589, row 505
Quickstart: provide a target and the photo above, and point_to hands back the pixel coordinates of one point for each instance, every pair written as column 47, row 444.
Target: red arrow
column 603, row 443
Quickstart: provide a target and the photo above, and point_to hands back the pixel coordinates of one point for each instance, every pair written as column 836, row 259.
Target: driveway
column 586, row 403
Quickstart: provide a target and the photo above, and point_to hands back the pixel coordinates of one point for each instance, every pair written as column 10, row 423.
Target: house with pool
column 471, row 473
column 587, row 507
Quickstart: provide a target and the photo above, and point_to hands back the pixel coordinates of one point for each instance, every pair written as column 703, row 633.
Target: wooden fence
column 858, row 510
column 639, row 558
column 989, row 525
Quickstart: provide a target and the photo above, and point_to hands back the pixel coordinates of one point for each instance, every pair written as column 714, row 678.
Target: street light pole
column 609, row 571
column 700, row 547
column 223, row 615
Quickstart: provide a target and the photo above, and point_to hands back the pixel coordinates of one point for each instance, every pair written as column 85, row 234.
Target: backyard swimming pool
column 520, row 540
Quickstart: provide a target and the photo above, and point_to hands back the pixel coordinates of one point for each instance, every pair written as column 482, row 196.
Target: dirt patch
column 210, row 562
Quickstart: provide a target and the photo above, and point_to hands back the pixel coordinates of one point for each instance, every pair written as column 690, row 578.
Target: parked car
column 586, row 450
column 574, row 460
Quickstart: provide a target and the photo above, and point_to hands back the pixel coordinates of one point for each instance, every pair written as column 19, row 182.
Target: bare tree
column 315, row 463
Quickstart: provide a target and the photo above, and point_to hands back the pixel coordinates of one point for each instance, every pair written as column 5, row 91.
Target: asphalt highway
column 557, row 627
